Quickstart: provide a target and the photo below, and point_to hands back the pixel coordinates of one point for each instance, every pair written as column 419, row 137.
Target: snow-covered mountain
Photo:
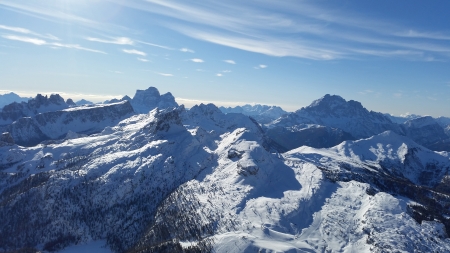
column 50, row 118
column 262, row 113
column 334, row 111
column 427, row 131
column 29, row 131
column 331, row 120
column 198, row 180
column 6, row 99
column 402, row 118
column 39, row 104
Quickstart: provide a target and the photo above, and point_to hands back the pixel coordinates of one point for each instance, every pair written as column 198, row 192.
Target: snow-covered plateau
column 199, row 180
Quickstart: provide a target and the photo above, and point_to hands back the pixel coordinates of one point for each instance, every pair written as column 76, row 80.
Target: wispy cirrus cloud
column 40, row 42
column 154, row 45
column 230, row 61
column 134, row 51
column 117, row 40
column 197, row 60
column 57, row 13
column 28, row 32
column 142, row 59
column 34, row 41
column 297, row 28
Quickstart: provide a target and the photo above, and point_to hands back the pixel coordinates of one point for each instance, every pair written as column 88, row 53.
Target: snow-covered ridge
column 174, row 179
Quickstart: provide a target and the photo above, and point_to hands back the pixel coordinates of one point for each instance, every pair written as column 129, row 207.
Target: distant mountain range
column 262, row 113
column 48, row 118
column 6, row 99
column 144, row 174
column 331, row 120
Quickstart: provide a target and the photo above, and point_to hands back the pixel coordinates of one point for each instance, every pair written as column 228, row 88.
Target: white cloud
column 219, row 74
column 311, row 32
column 197, row 60
column 187, row 50
column 226, row 71
column 34, row 41
column 230, row 61
column 142, row 59
column 75, row 46
column 164, row 74
column 117, row 40
column 134, row 51
column 261, row 66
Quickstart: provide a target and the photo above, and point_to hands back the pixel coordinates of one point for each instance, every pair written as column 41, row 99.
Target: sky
column 392, row 56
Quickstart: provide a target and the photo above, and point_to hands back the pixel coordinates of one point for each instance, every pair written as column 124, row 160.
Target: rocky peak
column 149, row 99
column 334, row 104
column 206, row 110
column 70, row 102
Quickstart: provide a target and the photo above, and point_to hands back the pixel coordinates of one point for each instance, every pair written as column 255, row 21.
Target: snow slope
column 176, row 180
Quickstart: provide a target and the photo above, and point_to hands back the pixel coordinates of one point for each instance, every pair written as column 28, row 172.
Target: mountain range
column 153, row 176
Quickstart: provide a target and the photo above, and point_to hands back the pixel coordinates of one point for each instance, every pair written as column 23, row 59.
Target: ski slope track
column 199, row 180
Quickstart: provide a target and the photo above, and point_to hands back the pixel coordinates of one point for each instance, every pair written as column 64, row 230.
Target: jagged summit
column 334, row 111
column 39, row 104
column 335, row 105
column 146, row 100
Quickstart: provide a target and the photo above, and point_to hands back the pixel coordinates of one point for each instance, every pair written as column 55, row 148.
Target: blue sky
column 392, row 56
